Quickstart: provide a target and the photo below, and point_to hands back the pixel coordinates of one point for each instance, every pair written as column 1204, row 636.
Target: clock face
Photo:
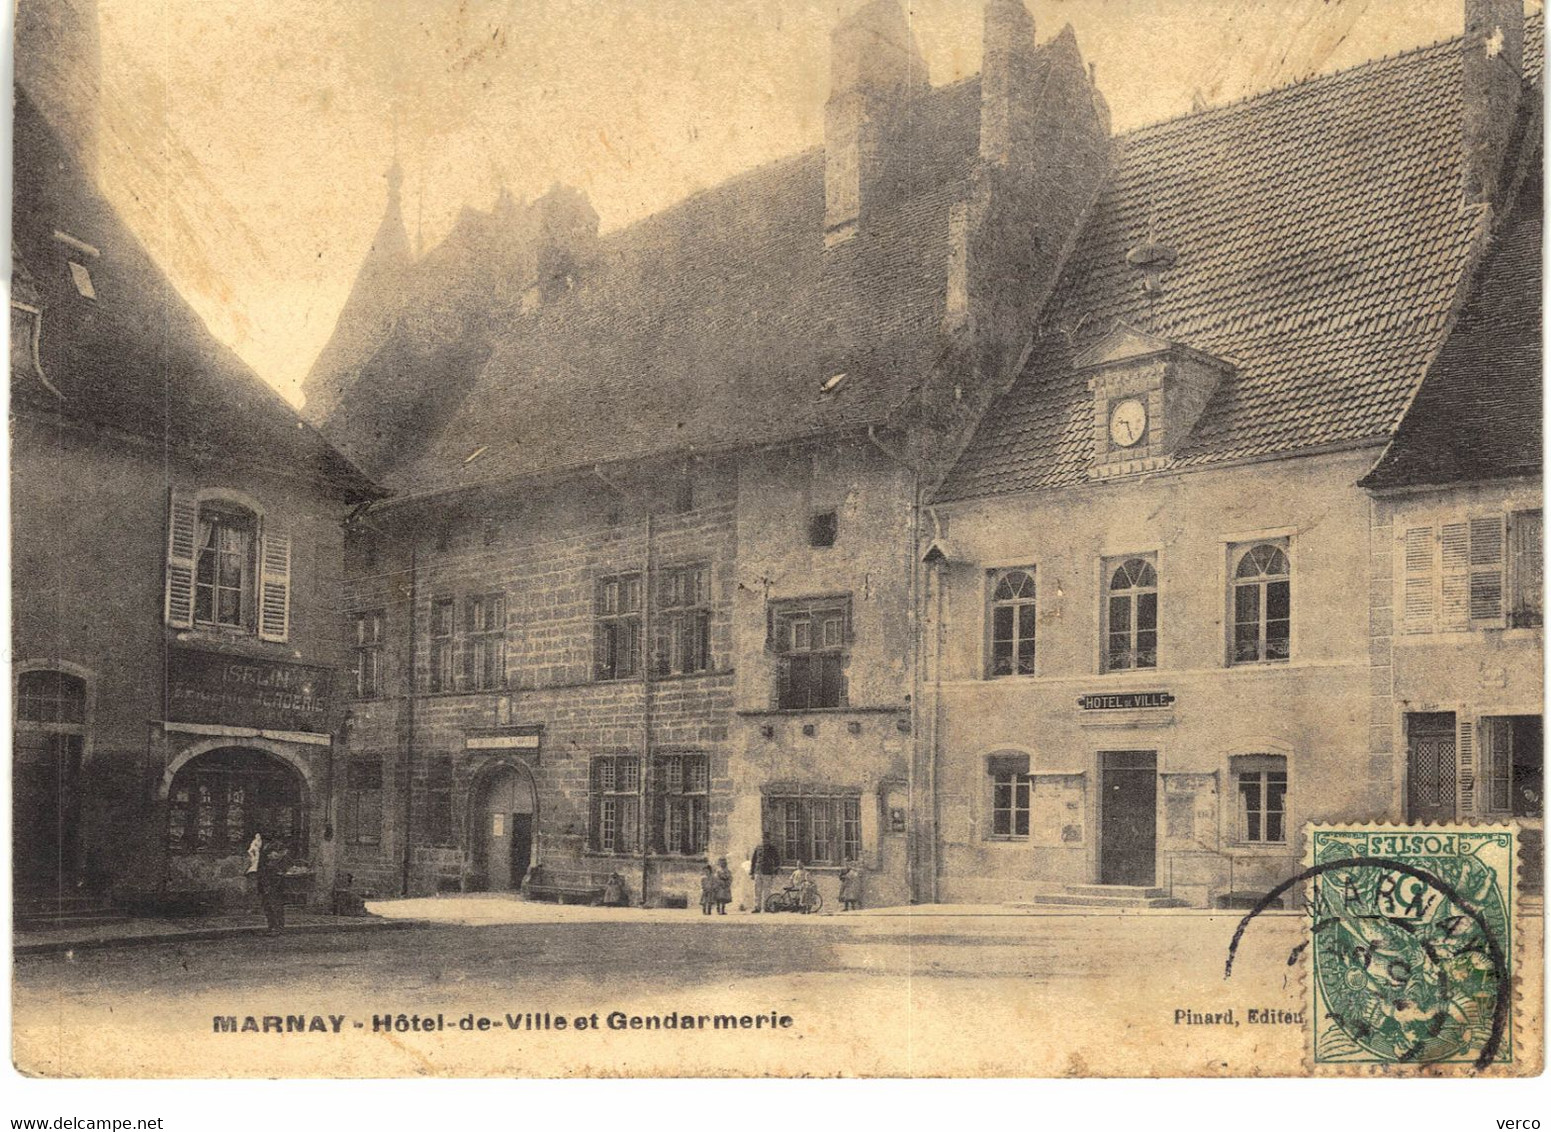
column 1127, row 422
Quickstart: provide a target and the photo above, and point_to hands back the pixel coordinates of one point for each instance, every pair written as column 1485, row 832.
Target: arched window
column 224, row 566
column 1131, row 630
column 218, row 801
column 1262, row 604
column 1012, row 624
column 46, row 696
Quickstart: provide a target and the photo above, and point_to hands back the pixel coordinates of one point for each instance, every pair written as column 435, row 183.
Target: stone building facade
column 176, row 550
column 1284, row 397
column 708, row 437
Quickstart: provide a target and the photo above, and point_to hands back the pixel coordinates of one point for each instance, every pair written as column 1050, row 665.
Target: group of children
column 716, row 887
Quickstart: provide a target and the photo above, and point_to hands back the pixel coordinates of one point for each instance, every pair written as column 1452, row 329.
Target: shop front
column 247, row 752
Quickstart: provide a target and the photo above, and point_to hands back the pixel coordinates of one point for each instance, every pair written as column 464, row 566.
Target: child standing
column 723, row 891
column 707, row 889
column 850, row 888
column 800, row 885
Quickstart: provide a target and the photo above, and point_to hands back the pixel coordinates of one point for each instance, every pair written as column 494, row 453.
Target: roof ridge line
column 1332, row 77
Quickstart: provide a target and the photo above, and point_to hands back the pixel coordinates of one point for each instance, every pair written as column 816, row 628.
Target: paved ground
column 915, row 992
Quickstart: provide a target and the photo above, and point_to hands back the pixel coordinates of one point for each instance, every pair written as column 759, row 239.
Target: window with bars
column 1009, row 776
column 363, row 800
column 1013, row 611
column 681, row 625
column 484, row 650
column 680, row 792
column 811, row 639
column 815, row 829
column 439, row 827
column 444, row 644
column 1262, row 603
column 1465, row 573
column 617, row 630
column 366, row 654
column 614, row 788
column 1260, row 782
column 1131, row 615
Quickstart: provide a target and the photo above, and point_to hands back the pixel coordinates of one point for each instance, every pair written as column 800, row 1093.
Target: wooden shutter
column 1454, row 539
column 274, row 619
column 182, row 539
column 1527, row 534
column 1488, row 541
column 1467, row 768
column 1418, row 590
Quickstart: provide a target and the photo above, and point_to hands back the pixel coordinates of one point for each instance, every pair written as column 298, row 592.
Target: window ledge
column 882, row 709
column 1266, row 848
column 1006, row 838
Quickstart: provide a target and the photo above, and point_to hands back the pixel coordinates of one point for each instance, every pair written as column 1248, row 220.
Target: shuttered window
column 1454, row 575
column 226, row 569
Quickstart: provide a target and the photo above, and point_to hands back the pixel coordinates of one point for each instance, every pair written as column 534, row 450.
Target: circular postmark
column 1408, row 962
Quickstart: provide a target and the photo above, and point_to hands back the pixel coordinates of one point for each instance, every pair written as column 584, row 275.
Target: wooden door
column 1128, row 818
column 1430, row 778
column 506, row 837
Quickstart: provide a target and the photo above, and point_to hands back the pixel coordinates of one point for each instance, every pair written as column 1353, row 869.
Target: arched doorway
column 502, row 813
column 217, row 801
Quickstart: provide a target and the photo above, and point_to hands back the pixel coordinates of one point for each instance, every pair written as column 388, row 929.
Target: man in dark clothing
column 273, row 859
column 765, row 864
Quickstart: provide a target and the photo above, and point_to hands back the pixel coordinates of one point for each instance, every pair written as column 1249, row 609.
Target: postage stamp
column 1411, row 943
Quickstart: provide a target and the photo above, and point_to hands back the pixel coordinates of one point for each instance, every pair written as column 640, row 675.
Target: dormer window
column 1148, row 394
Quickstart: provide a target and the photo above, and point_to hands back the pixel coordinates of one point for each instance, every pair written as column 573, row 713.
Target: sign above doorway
column 1124, row 701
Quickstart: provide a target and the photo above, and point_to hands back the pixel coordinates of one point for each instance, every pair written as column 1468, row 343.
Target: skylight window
column 83, row 280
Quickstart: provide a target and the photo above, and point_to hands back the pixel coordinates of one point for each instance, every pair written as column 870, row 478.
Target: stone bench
column 566, row 886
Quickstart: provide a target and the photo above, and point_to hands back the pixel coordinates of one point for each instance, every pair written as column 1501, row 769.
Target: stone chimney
column 1044, row 153
column 566, row 232
column 1492, row 72
column 876, row 71
column 1006, row 80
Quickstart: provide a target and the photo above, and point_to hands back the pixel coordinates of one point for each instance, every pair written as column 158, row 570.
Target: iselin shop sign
column 239, row 691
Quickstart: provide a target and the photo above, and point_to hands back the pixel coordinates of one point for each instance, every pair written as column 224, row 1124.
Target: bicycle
column 806, row 900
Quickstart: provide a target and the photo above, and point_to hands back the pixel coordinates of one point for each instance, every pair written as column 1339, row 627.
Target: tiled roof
column 1478, row 413
column 133, row 357
column 715, row 322
column 1321, row 240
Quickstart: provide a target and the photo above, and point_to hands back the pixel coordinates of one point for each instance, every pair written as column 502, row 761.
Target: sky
column 248, row 143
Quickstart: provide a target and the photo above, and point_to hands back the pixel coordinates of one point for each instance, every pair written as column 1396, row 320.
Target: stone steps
column 1110, row 896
